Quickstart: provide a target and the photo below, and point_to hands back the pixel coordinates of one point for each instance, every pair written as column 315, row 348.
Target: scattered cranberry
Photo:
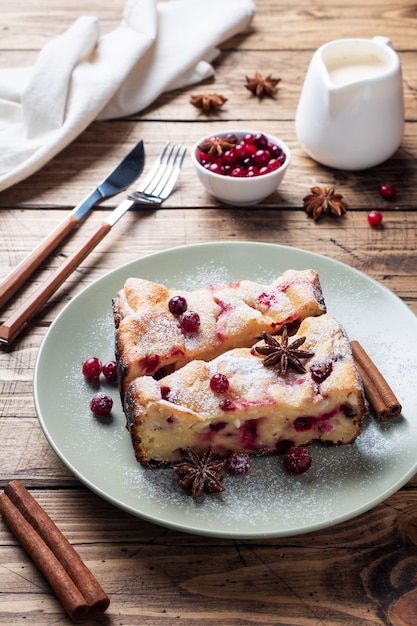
column 375, row 218
column 109, row 370
column 101, row 404
column 388, row 191
column 219, row 383
column 177, row 305
column 238, row 463
column 91, row 368
column 189, row 322
column 297, row 460
column 252, row 156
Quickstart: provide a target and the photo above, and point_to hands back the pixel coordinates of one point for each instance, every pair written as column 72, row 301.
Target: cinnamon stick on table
column 378, row 392
column 74, row 584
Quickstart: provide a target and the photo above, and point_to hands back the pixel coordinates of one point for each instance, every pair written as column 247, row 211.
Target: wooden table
column 348, row 574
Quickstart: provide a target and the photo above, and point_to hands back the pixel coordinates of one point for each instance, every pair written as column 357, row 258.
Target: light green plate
column 268, row 502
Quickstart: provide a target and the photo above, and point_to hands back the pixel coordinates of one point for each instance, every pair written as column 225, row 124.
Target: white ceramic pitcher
column 351, row 109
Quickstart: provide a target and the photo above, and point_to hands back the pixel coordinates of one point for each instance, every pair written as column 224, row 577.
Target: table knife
column 118, row 180
column 11, row 328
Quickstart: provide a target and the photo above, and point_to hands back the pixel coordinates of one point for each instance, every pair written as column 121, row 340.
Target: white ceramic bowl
column 241, row 191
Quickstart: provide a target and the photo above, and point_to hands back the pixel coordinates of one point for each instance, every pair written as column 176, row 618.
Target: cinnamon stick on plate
column 378, row 392
column 80, row 593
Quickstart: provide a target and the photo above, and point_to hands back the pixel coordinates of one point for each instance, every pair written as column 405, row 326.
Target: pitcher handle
column 384, row 41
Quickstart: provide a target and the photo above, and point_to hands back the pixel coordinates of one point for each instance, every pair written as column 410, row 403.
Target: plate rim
column 166, row 522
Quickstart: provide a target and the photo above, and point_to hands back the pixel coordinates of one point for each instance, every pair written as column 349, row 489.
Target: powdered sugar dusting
column 341, row 483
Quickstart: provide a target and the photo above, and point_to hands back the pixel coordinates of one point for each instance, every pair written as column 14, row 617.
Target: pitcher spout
column 342, row 100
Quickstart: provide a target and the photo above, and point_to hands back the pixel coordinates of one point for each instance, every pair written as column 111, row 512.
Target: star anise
column 208, row 102
column 325, row 200
column 282, row 354
column 261, row 86
column 200, row 473
column 215, row 146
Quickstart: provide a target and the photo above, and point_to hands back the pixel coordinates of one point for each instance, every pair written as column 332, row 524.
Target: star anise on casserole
column 261, row 86
column 278, row 352
column 208, row 102
column 324, row 200
column 200, row 473
column 215, row 146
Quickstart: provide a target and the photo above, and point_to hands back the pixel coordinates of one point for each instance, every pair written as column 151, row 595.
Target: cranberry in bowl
column 241, row 167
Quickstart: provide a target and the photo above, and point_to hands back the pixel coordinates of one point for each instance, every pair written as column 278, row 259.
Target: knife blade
column 123, row 175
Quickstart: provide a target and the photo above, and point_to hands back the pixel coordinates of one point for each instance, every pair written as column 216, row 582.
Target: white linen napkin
column 81, row 76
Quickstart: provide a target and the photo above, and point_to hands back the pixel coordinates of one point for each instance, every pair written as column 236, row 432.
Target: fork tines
column 162, row 176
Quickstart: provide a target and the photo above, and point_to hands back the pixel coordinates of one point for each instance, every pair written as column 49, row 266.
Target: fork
column 155, row 188
column 161, row 178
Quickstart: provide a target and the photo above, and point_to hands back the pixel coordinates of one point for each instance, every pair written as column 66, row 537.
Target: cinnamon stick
column 74, row 584
column 378, row 392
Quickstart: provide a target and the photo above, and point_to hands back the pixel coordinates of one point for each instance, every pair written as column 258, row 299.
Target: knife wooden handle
column 12, row 327
column 31, row 262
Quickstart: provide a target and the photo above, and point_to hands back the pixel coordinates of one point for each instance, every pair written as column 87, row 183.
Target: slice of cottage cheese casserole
column 159, row 330
column 239, row 402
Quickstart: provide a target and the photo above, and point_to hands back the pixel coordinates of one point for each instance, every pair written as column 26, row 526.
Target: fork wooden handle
column 12, row 327
column 31, row 262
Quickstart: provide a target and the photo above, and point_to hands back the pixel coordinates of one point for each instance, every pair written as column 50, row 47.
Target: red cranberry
column 238, row 463
column 238, row 172
column 91, row 368
column 231, row 138
column 248, row 139
column 109, row 370
column 261, row 158
column 165, row 391
column 249, row 434
column 274, row 164
column 375, row 218
column 189, row 322
column 229, row 158
column 217, row 168
column 303, row 423
column 297, row 460
column 250, row 149
column 101, row 404
column 241, row 152
column 321, row 371
column 348, row 410
column 177, row 305
column 275, row 151
column 388, row 191
column 260, row 141
column 252, row 171
column 151, row 363
column 219, row 383
column 226, row 405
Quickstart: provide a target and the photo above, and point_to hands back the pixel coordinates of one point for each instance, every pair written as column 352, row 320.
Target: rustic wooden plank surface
column 355, row 573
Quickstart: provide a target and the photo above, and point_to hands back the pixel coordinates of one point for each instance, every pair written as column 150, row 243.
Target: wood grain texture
column 362, row 572
column 172, row 576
